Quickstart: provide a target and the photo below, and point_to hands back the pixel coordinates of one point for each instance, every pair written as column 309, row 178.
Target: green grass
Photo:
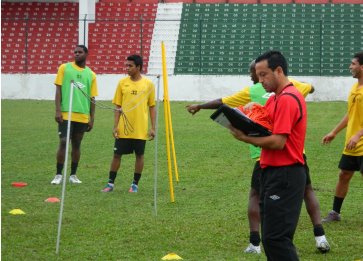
column 208, row 220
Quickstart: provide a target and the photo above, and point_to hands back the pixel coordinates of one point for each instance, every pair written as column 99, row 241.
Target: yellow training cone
column 17, row 211
column 172, row 256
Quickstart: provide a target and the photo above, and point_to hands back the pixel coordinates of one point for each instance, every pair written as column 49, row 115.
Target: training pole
column 166, row 116
column 65, row 169
column 156, row 147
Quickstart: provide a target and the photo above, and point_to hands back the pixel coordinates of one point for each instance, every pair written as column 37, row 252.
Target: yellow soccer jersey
column 355, row 119
column 135, row 98
column 239, row 98
column 303, row 87
column 78, row 117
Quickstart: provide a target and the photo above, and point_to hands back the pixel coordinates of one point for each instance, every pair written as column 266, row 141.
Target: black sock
column 255, row 238
column 337, row 205
column 137, row 177
column 112, row 176
column 74, row 167
column 319, row 230
column 59, row 168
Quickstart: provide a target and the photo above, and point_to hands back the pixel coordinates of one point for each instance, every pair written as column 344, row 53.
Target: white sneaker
column 74, row 180
column 57, row 180
column 253, row 249
column 322, row 244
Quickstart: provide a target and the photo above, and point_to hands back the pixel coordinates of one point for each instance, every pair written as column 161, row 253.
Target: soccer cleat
column 74, row 180
column 322, row 244
column 57, row 180
column 253, row 249
column 108, row 188
column 332, row 216
column 134, row 188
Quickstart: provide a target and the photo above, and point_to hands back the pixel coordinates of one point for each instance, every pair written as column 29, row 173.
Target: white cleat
column 57, row 180
column 322, row 244
column 253, row 249
column 74, row 179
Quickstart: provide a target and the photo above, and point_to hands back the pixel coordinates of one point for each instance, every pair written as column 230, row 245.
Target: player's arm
column 214, row 104
column 92, row 113
column 94, row 93
column 58, row 100
column 331, row 135
column 272, row 142
column 152, row 112
column 352, row 143
column 117, row 114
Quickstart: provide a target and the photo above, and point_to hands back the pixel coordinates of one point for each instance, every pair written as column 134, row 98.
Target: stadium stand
column 223, row 39
column 201, row 38
column 121, row 29
column 37, row 37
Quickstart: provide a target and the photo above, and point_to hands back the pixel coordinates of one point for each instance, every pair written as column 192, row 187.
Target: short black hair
column 359, row 57
column 274, row 59
column 137, row 59
column 83, row 47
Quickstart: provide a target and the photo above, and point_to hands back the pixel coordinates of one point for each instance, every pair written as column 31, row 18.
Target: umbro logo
column 274, row 197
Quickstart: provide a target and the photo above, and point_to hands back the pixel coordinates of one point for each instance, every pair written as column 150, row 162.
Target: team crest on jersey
column 79, row 85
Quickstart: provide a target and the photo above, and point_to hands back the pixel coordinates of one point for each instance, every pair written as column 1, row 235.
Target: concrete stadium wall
column 181, row 87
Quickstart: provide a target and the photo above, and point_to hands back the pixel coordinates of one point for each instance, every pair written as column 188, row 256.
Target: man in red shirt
column 283, row 174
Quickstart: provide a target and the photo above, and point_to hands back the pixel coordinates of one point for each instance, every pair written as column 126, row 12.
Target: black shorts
column 257, row 170
column 129, row 146
column 351, row 163
column 76, row 127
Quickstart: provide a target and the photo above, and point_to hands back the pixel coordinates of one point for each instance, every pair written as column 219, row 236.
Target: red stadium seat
column 347, row 1
column 276, row 1
column 312, row 1
column 243, row 1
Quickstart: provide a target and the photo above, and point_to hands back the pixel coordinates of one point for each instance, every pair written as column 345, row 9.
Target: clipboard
column 226, row 116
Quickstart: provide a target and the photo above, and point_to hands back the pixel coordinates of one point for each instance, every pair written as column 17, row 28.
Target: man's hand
column 90, row 125
column 193, row 108
column 151, row 134
column 353, row 142
column 328, row 138
column 58, row 117
column 115, row 133
column 239, row 135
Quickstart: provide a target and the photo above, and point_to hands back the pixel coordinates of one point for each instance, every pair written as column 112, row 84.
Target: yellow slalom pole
column 166, row 116
column 172, row 138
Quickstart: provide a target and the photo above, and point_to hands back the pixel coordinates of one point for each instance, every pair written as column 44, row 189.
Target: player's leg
column 139, row 147
column 121, row 147
column 254, row 211
column 282, row 195
column 313, row 209
column 61, row 152
column 347, row 165
column 76, row 138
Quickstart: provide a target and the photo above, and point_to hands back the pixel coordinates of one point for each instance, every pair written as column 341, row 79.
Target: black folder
column 226, row 116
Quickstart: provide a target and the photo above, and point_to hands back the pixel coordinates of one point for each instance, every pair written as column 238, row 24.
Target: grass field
column 208, row 220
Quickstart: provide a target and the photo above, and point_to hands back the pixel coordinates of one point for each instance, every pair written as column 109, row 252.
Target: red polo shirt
column 287, row 119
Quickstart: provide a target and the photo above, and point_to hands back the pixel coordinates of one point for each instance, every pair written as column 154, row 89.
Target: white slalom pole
column 65, row 169
column 156, row 148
